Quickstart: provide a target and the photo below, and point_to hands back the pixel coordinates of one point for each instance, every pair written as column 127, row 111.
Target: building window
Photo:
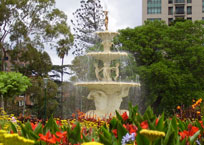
column 202, row 18
column 153, row 6
column 153, row 19
column 189, row 1
column 203, row 6
column 189, row 18
column 179, row 1
column 180, row 10
column 189, row 10
column 170, row 11
column 170, row 1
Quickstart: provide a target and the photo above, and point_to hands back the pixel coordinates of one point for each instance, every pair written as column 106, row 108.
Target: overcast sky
column 122, row 14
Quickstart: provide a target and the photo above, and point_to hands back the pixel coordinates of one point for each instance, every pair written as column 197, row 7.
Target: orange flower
column 178, row 107
column 144, row 125
column 198, row 112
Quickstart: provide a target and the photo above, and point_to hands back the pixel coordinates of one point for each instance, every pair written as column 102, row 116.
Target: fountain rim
column 106, row 32
column 131, row 84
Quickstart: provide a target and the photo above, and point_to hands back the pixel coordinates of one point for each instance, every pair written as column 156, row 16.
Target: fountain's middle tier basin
column 107, row 86
column 107, row 56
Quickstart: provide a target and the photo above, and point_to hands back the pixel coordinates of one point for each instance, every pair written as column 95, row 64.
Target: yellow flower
column 92, row 143
column 152, row 134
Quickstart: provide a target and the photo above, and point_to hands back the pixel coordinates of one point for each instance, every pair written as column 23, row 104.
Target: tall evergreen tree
column 88, row 19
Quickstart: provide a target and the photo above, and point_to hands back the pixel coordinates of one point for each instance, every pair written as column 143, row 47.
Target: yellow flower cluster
column 152, row 134
column 14, row 139
column 197, row 103
column 92, row 143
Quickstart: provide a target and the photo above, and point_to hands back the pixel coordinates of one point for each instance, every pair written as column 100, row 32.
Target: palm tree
column 63, row 48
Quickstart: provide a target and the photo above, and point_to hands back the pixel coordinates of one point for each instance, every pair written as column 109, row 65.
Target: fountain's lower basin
column 107, row 95
column 106, row 86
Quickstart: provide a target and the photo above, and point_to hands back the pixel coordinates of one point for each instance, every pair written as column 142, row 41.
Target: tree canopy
column 13, row 84
column 88, row 19
column 36, row 23
column 170, row 61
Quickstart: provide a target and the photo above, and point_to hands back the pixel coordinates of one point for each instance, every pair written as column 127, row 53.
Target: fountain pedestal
column 107, row 92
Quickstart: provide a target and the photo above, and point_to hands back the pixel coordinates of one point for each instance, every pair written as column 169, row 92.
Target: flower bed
column 146, row 129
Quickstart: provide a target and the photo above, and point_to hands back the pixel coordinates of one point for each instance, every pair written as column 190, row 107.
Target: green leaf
column 104, row 140
column 119, row 117
column 160, row 125
column 23, row 131
column 106, row 133
column 121, row 131
column 13, row 127
column 32, row 135
column 168, row 134
column 113, row 123
column 194, row 137
column 38, row 129
column 77, row 132
column 141, row 140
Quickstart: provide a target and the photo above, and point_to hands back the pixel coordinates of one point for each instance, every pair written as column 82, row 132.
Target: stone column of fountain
column 107, row 92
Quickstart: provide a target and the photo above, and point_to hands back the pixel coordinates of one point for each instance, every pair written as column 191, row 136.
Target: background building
column 169, row 10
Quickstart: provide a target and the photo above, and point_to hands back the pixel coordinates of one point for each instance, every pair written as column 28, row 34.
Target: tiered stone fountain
column 107, row 92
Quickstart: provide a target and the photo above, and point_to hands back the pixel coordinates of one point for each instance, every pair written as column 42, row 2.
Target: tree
column 12, row 84
column 87, row 20
column 38, row 97
column 31, row 62
column 170, row 61
column 33, row 23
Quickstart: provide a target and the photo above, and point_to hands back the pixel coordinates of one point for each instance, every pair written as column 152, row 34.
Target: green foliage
column 13, row 84
column 38, row 63
column 170, row 61
column 37, row 92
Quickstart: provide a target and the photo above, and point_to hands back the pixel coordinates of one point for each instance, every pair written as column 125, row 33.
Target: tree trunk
column 2, row 102
column 62, row 91
column 2, row 58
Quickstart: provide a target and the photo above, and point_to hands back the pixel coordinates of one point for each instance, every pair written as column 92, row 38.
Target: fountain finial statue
column 106, row 20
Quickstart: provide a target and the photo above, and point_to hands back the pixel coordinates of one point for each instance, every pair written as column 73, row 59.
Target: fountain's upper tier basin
column 107, row 56
column 106, row 35
column 107, row 86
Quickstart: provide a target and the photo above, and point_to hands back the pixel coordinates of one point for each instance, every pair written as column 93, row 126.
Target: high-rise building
column 169, row 10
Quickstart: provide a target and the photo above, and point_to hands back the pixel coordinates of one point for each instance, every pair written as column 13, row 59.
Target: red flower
column 156, row 122
column 114, row 131
column 73, row 126
column 191, row 131
column 33, row 125
column 131, row 128
column 125, row 116
column 183, row 134
column 201, row 123
column 58, row 122
column 49, row 138
column 61, row 134
column 144, row 125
